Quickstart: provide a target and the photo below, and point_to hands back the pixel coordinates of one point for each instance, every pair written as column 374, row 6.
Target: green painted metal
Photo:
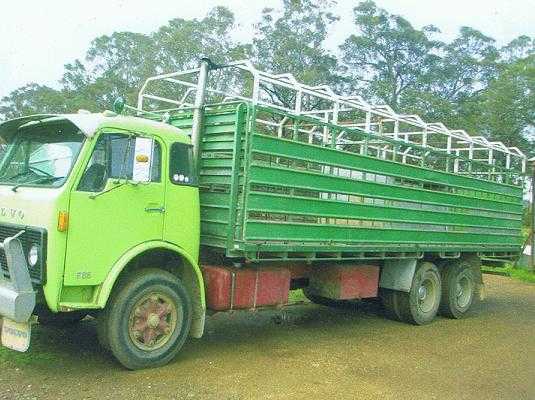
column 268, row 191
column 116, row 224
column 268, row 195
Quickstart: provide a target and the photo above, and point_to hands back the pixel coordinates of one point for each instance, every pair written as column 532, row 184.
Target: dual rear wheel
column 449, row 291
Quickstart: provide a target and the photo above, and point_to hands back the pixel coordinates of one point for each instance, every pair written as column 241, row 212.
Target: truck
column 225, row 188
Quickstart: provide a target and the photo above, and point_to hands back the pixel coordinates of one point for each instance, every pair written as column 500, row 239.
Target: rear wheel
column 147, row 321
column 389, row 301
column 420, row 305
column 459, row 288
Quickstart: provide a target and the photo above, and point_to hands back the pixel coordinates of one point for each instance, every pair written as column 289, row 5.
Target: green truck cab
column 105, row 214
column 94, row 194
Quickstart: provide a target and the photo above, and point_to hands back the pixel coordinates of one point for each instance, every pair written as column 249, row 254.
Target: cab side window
column 113, row 158
column 181, row 166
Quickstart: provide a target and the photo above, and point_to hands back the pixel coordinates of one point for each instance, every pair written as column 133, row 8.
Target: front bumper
column 17, row 297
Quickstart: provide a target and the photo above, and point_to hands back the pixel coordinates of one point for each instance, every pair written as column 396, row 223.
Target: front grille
column 28, row 238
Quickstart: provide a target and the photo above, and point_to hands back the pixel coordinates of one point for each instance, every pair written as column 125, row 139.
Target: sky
column 38, row 37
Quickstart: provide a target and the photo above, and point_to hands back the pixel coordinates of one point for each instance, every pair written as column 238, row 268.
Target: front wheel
column 148, row 320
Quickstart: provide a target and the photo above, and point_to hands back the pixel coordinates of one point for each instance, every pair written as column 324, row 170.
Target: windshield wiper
column 33, row 170
column 42, row 179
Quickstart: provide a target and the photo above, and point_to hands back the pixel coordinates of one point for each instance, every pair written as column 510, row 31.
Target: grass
column 39, row 354
column 296, row 296
column 517, row 273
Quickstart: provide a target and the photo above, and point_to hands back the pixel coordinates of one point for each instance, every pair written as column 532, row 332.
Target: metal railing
column 241, row 80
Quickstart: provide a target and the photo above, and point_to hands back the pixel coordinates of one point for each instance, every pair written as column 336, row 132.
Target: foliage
column 517, row 273
column 32, row 99
column 389, row 57
column 469, row 83
column 293, row 41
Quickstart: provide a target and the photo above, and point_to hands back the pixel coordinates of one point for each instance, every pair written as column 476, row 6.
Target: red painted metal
column 230, row 288
column 345, row 282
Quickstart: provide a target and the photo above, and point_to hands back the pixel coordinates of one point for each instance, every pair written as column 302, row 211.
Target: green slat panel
column 213, row 198
column 215, row 180
column 215, row 214
column 229, row 139
column 214, row 229
column 263, row 202
column 227, row 128
column 218, row 142
column 181, row 123
column 207, row 172
column 313, row 153
column 313, row 181
column 212, row 122
column 264, row 231
column 212, row 241
column 217, row 146
column 217, row 163
column 224, row 118
column 340, row 248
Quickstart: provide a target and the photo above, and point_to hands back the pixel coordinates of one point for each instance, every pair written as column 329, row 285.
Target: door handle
column 150, row 209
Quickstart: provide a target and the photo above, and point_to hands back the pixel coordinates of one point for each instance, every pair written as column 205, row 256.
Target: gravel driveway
column 305, row 352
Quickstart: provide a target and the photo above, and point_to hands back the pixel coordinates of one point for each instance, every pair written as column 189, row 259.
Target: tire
column 147, row 320
column 102, row 329
column 389, row 300
column 63, row 319
column 324, row 301
column 420, row 306
column 459, row 289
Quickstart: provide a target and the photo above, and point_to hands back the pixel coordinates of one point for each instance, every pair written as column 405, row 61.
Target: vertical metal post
column 396, row 137
column 532, row 230
column 298, row 102
column 198, row 112
column 368, row 126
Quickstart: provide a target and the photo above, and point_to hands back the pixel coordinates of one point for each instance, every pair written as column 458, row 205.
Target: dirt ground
column 305, row 352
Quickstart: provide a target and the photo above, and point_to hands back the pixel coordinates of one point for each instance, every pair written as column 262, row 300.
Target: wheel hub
column 426, row 295
column 152, row 322
column 464, row 291
column 459, row 290
column 422, row 292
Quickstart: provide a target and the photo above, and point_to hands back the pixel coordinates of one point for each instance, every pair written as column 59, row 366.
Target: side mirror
column 143, row 158
column 118, row 105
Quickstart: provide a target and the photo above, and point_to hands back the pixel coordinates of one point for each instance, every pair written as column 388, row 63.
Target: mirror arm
column 117, row 183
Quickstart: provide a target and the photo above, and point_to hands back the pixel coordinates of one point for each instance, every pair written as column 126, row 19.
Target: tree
column 117, row 64
column 32, row 99
column 181, row 43
column 388, row 57
column 292, row 40
column 467, row 83
column 521, row 47
column 464, row 70
column 509, row 105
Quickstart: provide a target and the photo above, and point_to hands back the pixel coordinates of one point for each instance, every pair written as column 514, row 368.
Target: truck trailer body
column 239, row 188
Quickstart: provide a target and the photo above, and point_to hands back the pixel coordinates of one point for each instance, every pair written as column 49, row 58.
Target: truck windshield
column 41, row 155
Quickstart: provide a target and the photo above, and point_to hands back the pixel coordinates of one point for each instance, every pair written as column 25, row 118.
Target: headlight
column 33, row 255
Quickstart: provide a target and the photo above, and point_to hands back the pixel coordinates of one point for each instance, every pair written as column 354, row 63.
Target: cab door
column 112, row 209
column 182, row 226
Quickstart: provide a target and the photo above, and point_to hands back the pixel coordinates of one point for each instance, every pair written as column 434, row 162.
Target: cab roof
column 89, row 123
